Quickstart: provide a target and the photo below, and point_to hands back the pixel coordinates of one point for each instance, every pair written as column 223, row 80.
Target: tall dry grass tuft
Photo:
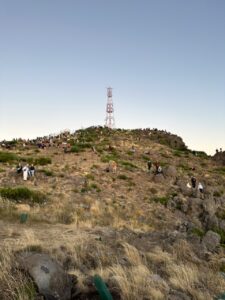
column 183, row 276
column 198, row 282
column 14, row 285
column 136, row 282
column 158, row 256
column 132, row 255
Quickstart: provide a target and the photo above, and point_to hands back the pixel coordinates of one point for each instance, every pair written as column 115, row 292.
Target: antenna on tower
column 109, row 120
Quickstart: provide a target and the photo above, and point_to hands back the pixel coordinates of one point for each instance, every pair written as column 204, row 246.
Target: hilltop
column 148, row 235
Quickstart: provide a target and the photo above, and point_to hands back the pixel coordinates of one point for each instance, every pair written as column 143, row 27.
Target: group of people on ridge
column 194, row 185
column 27, row 171
column 158, row 168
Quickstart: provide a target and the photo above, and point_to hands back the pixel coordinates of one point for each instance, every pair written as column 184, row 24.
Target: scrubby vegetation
column 148, row 236
column 22, row 194
column 7, row 157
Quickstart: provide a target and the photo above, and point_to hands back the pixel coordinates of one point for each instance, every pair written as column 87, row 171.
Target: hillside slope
column 148, row 235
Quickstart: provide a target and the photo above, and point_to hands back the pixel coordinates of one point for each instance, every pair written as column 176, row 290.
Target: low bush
column 47, row 173
column 220, row 170
column 200, row 154
column 145, row 157
column 107, row 158
column 42, row 161
column 218, row 193
column 198, row 232
column 8, row 157
column 20, row 194
column 162, row 200
column 221, row 233
column 90, row 176
column 80, row 147
column 128, row 165
column 123, row 177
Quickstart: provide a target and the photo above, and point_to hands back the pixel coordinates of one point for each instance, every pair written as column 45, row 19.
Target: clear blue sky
column 165, row 60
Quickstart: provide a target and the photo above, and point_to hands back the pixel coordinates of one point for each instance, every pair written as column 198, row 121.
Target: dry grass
column 66, row 228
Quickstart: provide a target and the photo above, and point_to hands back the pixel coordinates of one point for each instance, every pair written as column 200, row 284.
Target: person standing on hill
column 25, row 172
column 201, row 190
column 149, row 164
column 19, row 168
column 200, row 187
column 31, row 171
column 193, row 182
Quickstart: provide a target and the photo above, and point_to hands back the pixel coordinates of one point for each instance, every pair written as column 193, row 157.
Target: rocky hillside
column 147, row 234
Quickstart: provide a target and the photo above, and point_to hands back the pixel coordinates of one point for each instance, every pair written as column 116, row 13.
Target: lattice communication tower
column 109, row 120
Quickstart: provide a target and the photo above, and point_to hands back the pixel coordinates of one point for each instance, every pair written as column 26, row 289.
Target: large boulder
column 184, row 189
column 210, row 206
column 170, row 171
column 51, row 280
column 211, row 221
column 211, row 240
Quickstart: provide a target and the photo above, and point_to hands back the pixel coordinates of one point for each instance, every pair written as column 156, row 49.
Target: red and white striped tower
column 109, row 120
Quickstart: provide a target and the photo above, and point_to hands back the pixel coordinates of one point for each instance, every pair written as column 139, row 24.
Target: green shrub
column 94, row 186
column 145, row 157
column 220, row 170
column 200, row 154
column 128, row 165
column 90, row 177
column 42, row 161
column 221, row 233
column 107, row 158
column 162, row 200
column 122, row 177
column 198, row 232
column 80, row 147
column 47, row 173
column 22, row 194
column 178, row 153
column 8, row 157
column 218, row 193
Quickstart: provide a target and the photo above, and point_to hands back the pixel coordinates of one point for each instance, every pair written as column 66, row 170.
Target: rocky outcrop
column 220, row 157
column 211, row 241
column 51, row 280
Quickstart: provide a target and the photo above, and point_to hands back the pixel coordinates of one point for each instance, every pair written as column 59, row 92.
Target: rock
column 209, row 206
column 158, row 178
column 211, row 240
column 211, row 222
column 181, row 203
column 220, row 157
column 48, row 275
column 184, row 189
column 170, row 171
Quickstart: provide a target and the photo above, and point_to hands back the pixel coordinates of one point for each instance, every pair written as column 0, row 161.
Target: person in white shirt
column 200, row 187
column 25, row 172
